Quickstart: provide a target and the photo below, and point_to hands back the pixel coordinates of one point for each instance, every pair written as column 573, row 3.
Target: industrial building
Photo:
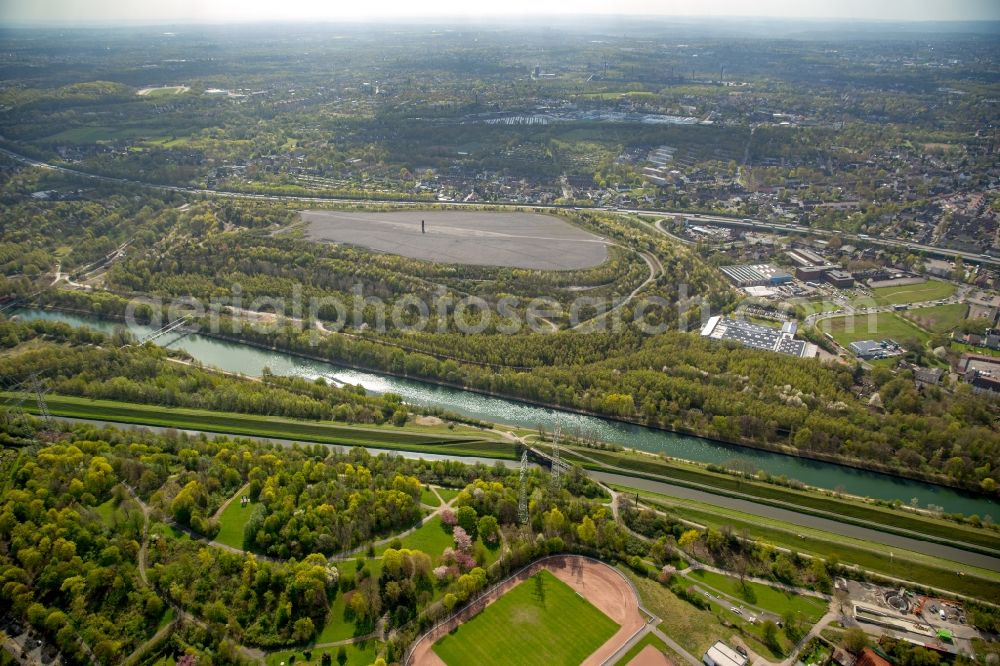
column 981, row 372
column 654, row 175
column 761, row 292
column 756, row 336
column 840, row 279
column 756, row 275
column 711, row 233
column 721, row 654
column 882, row 618
column 811, row 267
column 658, row 173
column 927, row 376
column 811, row 273
column 803, row 257
column 939, row 268
column 825, row 273
column 871, row 349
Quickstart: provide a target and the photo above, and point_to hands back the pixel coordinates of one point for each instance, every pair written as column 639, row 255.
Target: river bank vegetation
column 231, row 251
column 77, row 537
column 84, row 363
column 76, row 496
column 737, row 480
column 796, row 540
column 141, row 169
column 679, row 381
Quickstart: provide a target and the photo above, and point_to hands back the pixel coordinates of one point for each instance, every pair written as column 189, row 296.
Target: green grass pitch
column 536, row 623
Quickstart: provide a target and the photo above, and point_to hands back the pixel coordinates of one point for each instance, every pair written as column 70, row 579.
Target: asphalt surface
column 713, row 219
column 513, row 239
column 805, row 520
column 745, row 506
column 414, row 455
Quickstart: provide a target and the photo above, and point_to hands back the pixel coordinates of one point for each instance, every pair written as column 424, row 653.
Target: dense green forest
column 75, row 533
column 68, row 571
column 679, row 381
column 246, row 253
column 75, row 506
column 672, row 380
column 328, row 508
column 173, row 166
column 69, row 513
column 86, row 363
column 284, row 273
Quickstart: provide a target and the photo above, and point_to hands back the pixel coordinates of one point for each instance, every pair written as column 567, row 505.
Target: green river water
column 251, row 361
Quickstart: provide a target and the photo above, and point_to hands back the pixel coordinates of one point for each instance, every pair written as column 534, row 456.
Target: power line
column 557, row 464
column 43, row 409
column 522, row 496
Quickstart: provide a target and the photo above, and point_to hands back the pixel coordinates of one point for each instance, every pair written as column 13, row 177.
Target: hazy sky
column 110, row 11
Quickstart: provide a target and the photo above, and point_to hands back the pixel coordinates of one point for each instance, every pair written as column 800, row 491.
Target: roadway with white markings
column 717, row 220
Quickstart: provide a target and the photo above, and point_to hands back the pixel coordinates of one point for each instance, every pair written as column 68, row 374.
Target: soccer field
column 541, row 621
column 914, row 293
column 940, row 318
column 846, row 330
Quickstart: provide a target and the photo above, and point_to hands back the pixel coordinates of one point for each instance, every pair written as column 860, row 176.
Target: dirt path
column 598, row 583
column 242, row 491
column 441, row 502
column 813, row 633
column 253, row 654
column 655, row 270
column 141, row 650
column 675, row 646
column 398, row 535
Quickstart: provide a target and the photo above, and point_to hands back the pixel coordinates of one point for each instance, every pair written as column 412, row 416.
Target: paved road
column 746, row 223
column 805, row 520
column 655, row 270
column 675, row 646
column 415, row 455
column 745, row 506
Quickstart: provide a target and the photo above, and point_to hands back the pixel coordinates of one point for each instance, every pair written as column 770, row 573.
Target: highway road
column 719, row 220
column 747, row 223
column 805, row 520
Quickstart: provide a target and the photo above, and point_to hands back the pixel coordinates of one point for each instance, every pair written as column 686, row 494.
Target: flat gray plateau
column 515, row 240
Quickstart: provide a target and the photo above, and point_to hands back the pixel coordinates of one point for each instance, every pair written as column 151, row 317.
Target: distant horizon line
column 479, row 19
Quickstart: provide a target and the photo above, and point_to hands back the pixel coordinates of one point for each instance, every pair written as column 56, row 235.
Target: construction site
column 935, row 623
